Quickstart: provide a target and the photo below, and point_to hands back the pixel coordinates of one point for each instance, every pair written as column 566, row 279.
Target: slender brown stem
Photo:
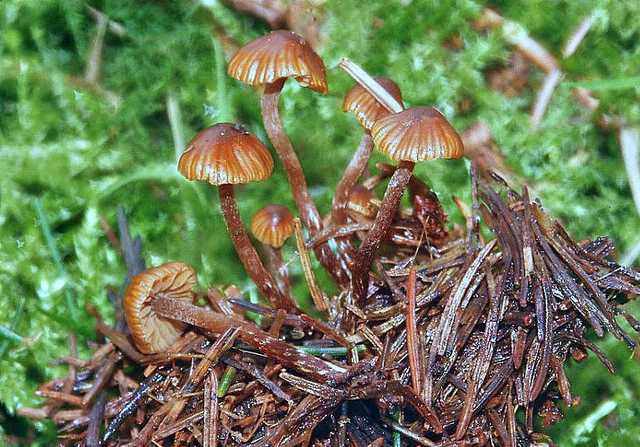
column 247, row 253
column 412, row 334
column 272, row 347
column 376, row 235
column 278, row 268
column 354, row 170
column 309, row 215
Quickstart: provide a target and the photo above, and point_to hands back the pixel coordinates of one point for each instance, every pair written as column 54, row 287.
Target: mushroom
column 223, row 155
column 267, row 62
column 367, row 110
column 151, row 332
column 413, row 135
column 362, row 203
column 272, row 226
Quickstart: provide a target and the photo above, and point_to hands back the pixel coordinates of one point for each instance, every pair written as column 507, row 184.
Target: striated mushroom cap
column 367, row 110
column 417, row 134
column 272, row 225
column 225, row 154
column 279, row 54
column 152, row 333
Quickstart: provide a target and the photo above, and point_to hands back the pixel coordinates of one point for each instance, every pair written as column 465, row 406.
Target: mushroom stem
column 378, row 231
column 354, row 170
column 307, row 209
column 272, row 347
column 277, row 268
column 247, row 253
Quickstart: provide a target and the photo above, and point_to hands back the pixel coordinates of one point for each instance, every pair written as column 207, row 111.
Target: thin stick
column 371, row 85
column 408, row 433
column 577, row 36
column 412, row 333
column 630, row 145
column 92, row 72
column 532, row 50
column 175, row 121
column 210, row 435
column 305, row 260
column 543, row 97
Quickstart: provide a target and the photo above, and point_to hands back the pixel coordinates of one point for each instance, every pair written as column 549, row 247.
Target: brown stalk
column 247, row 253
column 305, row 260
column 260, row 340
column 354, row 171
column 415, row 363
column 307, row 209
column 378, row 231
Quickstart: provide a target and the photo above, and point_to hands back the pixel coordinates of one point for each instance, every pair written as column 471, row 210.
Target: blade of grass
column 14, row 324
column 606, row 84
column 225, row 114
column 50, row 240
column 8, row 334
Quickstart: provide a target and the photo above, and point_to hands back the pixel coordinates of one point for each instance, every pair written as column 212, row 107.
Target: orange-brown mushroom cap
column 367, row 110
column 417, row 134
column 361, row 201
column 279, row 54
column 152, row 333
column 272, row 225
column 225, row 154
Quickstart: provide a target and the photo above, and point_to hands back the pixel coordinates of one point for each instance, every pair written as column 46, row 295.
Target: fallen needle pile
column 434, row 338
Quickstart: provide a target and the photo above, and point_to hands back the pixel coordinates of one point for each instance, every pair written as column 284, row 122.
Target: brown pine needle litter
column 461, row 339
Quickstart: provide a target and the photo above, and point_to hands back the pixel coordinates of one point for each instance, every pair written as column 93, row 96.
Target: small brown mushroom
column 152, row 333
column 272, row 226
column 223, row 155
column 413, row 135
column 267, row 62
column 361, row 201
column 367, row 111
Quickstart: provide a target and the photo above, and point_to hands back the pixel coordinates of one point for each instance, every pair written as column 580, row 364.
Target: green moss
column 81, row 156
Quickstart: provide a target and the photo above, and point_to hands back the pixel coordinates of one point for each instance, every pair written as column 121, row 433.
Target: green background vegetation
column 69, row 157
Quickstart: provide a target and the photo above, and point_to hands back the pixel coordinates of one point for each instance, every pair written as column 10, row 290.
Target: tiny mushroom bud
column 272, row 226
column 152, row 333
column 412, row 135
column 361, row 201
column 223, row 155
column 267, row 62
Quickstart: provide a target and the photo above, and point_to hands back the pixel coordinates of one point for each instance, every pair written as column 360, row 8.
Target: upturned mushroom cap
column 417, row 134
column 279, row 54
column 365, row 106
column 225, row 154
column 272, row 225
column 152, row 333
column 361, row 201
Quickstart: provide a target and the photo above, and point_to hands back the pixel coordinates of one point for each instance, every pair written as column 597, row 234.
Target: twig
column 314, row 289
column 543, row 97
column 175, row 121
column 577, row 36
column 630, row 145
column 210, row 429
column 94, row 64
column 371, row 85
column 131, row 248
column 412, row 334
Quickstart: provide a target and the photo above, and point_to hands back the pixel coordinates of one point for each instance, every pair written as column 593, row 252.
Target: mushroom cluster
column 435, row 335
